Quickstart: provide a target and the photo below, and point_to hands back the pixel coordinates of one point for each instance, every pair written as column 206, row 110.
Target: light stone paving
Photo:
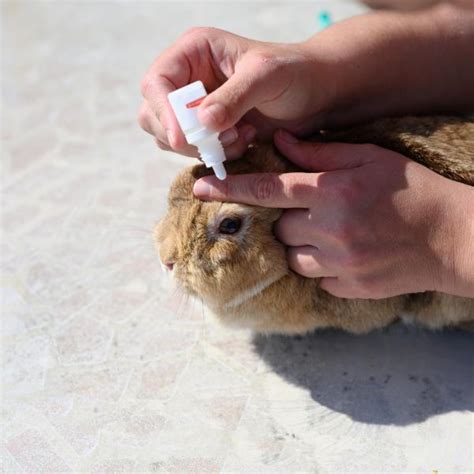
column 106, row 367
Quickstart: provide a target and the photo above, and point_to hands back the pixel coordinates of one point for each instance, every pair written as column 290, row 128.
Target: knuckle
column 142, row 117
column 162, row 145
column 197, row 32
column 301, row 191
column 314, row 181
column 344, row 232
column 351, row 239
column 268, row 61
column 264, row 187
column 146, row 85
column 348, row 191
column 192, row 31
column 353, row 259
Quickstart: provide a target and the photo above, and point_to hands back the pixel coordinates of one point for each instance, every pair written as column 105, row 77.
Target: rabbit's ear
column 199, row 171
column 181, row 190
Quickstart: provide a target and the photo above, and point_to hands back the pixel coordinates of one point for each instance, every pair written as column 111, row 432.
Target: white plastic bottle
column 185, row 102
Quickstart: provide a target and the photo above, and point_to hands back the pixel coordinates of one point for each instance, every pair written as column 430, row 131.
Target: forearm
column 391, row 63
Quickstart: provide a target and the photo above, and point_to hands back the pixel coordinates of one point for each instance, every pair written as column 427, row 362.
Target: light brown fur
column 217, row 268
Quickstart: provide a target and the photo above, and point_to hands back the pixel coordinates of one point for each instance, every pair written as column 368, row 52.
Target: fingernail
column 201, row 188
column 170, row 136
column 249, row 135
column 214, row 114
column 229, row 136
column 287, row 136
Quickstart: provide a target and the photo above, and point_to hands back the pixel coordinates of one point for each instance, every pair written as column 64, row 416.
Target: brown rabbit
column 227, row 255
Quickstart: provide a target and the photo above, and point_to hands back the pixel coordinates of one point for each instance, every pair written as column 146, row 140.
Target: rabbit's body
column 244, row 277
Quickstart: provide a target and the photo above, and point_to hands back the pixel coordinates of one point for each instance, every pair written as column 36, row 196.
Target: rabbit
column 226, row 253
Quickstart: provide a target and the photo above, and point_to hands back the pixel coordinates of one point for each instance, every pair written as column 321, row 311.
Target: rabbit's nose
column 166, row 265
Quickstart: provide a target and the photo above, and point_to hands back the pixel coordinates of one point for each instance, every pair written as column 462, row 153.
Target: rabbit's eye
column 230, row 225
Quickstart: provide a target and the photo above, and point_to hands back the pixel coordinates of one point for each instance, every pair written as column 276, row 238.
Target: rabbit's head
column 221, row 252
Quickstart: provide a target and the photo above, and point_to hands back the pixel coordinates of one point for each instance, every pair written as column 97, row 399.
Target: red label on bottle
column 195, row 103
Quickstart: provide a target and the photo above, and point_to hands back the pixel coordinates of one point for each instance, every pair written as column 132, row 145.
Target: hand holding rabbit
column 373, row 223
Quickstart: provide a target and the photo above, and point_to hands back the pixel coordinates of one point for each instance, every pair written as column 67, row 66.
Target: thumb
column 320, row 156
column 252, row 83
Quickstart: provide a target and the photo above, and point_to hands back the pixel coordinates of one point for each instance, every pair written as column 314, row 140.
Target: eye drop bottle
column 184, row 103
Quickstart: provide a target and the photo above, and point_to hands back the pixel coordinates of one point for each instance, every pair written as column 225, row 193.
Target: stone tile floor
column 106, row 368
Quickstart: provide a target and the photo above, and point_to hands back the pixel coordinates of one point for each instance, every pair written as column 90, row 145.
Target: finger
column 289, row 190
column 150, row 124
column 243, row 132
column 253, row 83
column 229, row 136
column 235, row 140
column 308, row 261
column 296, row 227
column 162, row 145
column 245, row 136
column 156, row 94
column 144, row 118
column 320, row 156
column 169, row 71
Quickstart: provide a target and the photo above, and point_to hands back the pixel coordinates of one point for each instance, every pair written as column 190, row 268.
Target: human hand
column 359, row 69
column 254, row 87
column 370, row 222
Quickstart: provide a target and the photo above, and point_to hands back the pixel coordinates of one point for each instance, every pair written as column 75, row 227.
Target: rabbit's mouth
column 253, row 291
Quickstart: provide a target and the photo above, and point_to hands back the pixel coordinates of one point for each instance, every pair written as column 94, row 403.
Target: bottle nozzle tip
column 219, row 171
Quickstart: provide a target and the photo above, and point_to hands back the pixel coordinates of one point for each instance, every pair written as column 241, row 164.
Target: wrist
column 458, row 262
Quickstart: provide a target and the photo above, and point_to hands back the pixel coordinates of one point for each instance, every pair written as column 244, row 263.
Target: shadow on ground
column 397, row 376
